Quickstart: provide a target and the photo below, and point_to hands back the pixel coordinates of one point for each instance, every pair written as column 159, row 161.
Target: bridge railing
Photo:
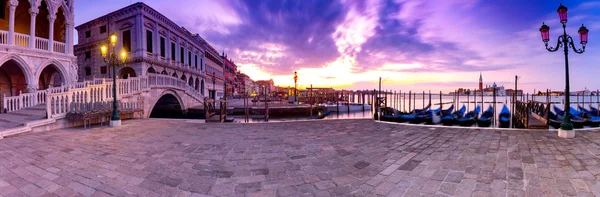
column 59, row 99
column 158, row 80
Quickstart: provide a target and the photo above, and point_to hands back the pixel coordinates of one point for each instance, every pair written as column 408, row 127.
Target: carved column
column 33, row 11
column 11, row 22
column 69, row 37
column 51, row 19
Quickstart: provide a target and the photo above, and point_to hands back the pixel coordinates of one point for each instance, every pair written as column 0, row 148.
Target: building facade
column 247, row 85
column 230, row 75
column 154, row 44
column 266, row 87
column 36, row 45
column 214, row 68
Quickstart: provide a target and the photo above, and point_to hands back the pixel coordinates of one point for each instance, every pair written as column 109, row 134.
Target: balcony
column 22, row 40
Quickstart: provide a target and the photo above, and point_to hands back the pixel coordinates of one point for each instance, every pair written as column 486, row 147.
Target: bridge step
column 21, row 117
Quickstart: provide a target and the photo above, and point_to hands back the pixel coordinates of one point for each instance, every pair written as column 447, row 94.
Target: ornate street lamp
column 111, row 58
column 565, row 41
column 295, row 86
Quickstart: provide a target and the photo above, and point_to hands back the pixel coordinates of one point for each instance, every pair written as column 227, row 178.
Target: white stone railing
column 59, row 100
column 41, row 43
column 3, row 37
column 14, row 103
column 59, row 47
column 21, row 40
column 158, row 80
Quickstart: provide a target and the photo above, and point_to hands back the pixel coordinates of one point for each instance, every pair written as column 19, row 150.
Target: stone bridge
column 47, row 109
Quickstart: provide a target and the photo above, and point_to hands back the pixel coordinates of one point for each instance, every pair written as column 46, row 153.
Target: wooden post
column 414, row 101
column 404, row 102
column 475, row 99
column 423, row 98
column 494, row 104
column 468, row 102
column 598, row 102
column 409, row 100
column 337, row 102
column 458, row 98
column 311, row 101
column 441, row 104
column 348, row 104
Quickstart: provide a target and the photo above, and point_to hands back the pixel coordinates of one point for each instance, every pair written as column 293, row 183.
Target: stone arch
column 191, row 82
column 164, row 72
column 183, row 77
column 196, row 86
column 60, row 26
column 58, row 66
column 166, row 105
column 175, row 75
column 13, row 81
column 127, row 72
column 42, row 26
column 21, row 63
column 151, row 70
column 22, row 17
column 50, row 76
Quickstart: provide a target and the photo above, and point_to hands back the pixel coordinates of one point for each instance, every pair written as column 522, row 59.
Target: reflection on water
column 332, row 115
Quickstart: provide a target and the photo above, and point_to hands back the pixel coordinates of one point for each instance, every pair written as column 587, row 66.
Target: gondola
column 594, row 111
column 576, row 119
column 428, row 116
column 447, row 111
column 411, row 116
column 593, row 120
column 387, row 114
column 554, row 120
column 450, row 119
column 486, row 117
column 470, row 118
column 323, row 114
column 504, row 117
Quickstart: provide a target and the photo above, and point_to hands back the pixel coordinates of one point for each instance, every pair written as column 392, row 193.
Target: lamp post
column 565, row 41
column 111, row 58
column 295, row 86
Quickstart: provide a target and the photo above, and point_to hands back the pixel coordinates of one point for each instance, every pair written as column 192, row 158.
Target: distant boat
column 593, row 120
column 470, row 118
column 486, row 117
column 343, row 107
column 450, row 119
column 504, row 117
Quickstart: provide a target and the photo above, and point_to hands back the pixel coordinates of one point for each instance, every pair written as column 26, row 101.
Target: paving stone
column 364, row 158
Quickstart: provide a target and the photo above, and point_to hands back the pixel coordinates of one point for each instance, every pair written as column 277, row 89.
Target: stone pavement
column 155, row 157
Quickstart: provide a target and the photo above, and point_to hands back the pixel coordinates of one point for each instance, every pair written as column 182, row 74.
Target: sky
column 417, row 45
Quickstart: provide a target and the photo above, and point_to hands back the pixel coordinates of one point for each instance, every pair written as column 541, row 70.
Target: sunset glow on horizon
column 411, row 44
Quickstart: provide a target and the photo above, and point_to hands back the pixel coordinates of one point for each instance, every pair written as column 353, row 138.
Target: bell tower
column 480, row 82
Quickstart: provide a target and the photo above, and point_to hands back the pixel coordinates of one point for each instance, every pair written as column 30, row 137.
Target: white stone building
column 214, row 69
column 154, row 43
column 36, row 45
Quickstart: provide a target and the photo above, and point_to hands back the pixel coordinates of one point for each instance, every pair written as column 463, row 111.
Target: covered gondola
column 576, row 119
column 450, row 119
column 486, row 117
column 504, row 117
column 470, row 118
column 593, row 120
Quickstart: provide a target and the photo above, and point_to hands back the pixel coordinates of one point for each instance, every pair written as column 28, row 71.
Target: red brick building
column 230, row 74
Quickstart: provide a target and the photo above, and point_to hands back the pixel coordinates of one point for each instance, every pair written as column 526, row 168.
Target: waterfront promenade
column 157, row 157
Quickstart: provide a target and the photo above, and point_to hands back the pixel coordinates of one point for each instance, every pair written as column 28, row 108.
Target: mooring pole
column 494, row 103
column 441, row 104
column 409, row 100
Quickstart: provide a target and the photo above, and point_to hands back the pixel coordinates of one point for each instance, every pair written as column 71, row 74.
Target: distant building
column 230, row 75
column 584, row 92
column 247, row 85
column 511, row 92
column 489, row 90
column 266, row 87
